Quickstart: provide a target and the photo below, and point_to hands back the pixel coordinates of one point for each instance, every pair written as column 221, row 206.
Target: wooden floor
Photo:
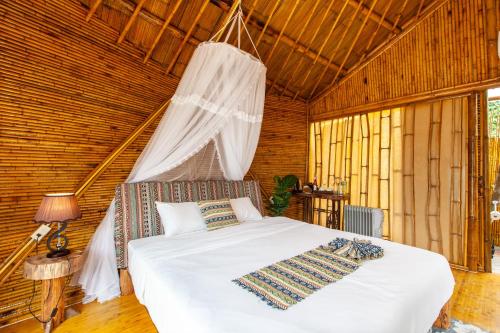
column 476, row 300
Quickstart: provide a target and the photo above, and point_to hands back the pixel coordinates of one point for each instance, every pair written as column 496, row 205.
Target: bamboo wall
column 68, row 96
column 406, row 161
column 282, row 146
column 453, row 49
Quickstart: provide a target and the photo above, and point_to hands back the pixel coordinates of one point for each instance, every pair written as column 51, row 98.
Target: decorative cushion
column 180, row 218
column 217, row 213
column 245, row 210
column 136, row 215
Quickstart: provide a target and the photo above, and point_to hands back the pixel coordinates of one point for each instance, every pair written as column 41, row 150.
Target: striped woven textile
column 135, row 210
column 217, row 214
column 290, row 281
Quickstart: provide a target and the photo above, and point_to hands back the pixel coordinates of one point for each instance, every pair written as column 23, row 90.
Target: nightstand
column 53, row 273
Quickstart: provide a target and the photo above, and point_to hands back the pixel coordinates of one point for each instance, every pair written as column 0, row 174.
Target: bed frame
column 146, row 193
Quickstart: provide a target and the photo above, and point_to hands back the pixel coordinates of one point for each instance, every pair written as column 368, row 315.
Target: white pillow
column 245, row 210
column 180, row 218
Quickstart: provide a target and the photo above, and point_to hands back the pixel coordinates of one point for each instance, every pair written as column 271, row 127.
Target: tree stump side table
column 53, row 273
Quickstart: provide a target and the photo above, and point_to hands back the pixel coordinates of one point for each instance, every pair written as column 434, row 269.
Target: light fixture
column 60, row 208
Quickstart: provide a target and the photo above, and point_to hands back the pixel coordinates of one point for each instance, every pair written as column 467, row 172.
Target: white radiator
column 363, row 220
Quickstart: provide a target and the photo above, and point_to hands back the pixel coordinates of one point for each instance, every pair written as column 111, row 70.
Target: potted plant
column 280, row 200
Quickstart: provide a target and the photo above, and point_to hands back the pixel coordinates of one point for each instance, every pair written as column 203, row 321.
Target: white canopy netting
column 209, row 131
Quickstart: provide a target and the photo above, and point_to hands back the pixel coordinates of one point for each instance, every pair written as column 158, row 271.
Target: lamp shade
column 57, row 207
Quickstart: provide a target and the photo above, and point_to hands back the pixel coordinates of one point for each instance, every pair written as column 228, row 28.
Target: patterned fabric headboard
column 135, row 211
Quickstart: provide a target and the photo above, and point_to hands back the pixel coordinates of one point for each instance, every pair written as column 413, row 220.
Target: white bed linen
column 185, row 283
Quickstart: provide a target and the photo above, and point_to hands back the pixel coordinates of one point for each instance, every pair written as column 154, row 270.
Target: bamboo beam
column 127, row 7
column 162, row 30
column 337, row 48
column 229, row 14
column 375, row 17
column 300, row 48
column 492, row 15
column 245, row 20
column 92, row 177
column 192, row 40
column 188, row 35
column 272, row 34
column 12, row 262
column 456, row 91
column 360, row 30
column 92, row 10
column 287, row 60
column 420, row 6
column 250, row 12
column 407, row 27
column 400, row 15
column 325, row 14
column 330, row 32
column 131, row 21
column 273, row 11
column 375, row 33
column 282, row 31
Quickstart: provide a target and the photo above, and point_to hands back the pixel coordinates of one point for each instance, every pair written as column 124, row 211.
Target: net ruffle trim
column 206, row 105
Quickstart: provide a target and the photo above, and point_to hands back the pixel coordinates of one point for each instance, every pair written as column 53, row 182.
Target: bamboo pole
column 131, row 21
column 399, row 16
column 360, row 30
column 92, row 177
column 448, row 92
column 375, row 17
column 262, row 32
column 409, row 226
column 162, row 30
column 250, row 12
column 492, row 37
column 270, row 54
column 408, row 27
column 375, row 33
column 313, row 38
column 433, row 214
column 349, row 24
column 294, row 49
column 330, row 32
column 269, row 33
column 93, row 9
column 186, row 38
column 228, row 17
column 420, row 6
column 194, row 41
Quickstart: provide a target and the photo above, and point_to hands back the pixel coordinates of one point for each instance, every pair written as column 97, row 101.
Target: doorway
column 494, row 173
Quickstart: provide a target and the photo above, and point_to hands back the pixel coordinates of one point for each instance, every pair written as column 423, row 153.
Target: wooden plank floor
column 476, row 300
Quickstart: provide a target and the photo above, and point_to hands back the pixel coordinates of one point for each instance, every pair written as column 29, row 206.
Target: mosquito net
column 209, row 131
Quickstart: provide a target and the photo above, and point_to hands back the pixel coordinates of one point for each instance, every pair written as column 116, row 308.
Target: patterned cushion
column 135, row 210
column 217, row 213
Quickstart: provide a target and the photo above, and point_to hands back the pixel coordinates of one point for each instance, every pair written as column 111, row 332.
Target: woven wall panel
column 452, row 49
column 282, row 146
column 68, row 97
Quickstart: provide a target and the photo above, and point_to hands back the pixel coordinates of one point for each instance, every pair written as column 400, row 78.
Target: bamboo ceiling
column 306, row 45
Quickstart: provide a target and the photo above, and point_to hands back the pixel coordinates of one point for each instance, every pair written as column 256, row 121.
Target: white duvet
column 185, row 283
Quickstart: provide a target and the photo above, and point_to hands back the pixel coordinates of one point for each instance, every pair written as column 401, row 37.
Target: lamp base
column 58, row 253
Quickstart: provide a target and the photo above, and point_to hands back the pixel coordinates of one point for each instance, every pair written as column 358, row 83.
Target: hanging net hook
column 236, row 15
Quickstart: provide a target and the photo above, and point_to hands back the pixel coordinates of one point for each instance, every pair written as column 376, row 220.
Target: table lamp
column 60, row 208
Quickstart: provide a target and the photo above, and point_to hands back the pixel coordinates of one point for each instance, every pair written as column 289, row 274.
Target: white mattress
column 185, row 283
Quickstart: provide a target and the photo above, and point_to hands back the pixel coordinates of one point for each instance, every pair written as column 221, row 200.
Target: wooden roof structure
column 307, row 45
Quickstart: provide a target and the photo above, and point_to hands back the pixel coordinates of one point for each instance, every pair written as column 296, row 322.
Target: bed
column 185, row 282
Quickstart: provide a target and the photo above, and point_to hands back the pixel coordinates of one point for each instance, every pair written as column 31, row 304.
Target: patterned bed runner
column 288, row 282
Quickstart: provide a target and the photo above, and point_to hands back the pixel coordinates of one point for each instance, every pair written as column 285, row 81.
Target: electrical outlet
column 40, row 232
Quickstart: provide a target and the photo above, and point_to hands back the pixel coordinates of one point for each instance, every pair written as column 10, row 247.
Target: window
column 408, row 161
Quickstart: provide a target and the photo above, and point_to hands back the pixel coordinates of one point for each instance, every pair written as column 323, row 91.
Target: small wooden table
column 53, row 273
column 333, row 215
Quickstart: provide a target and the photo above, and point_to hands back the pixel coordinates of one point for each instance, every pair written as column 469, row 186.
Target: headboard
column 135, row 211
